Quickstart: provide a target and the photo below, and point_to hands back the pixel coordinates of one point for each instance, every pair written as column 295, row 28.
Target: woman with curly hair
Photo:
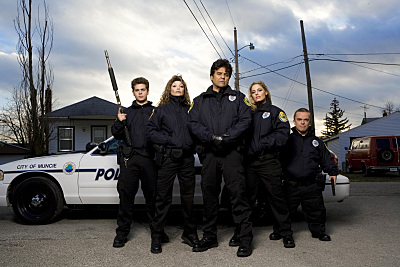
column 167, row 128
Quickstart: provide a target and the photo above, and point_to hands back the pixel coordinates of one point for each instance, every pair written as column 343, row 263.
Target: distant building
column 366, row 120
column 9, row 152
column 388, row 125
column 76, row 125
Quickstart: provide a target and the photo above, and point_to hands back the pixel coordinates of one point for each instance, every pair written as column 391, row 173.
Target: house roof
column 8, row 149
column 87, row 109
column 366, row 120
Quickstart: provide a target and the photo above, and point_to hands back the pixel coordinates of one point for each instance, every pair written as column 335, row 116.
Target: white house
column 76, row 125
column 388, row 125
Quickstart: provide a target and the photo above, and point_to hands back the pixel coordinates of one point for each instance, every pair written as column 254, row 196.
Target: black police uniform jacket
column 231, row 115
column 136, row 120
column 305, row 156
column 168, row 125
column 270, row 130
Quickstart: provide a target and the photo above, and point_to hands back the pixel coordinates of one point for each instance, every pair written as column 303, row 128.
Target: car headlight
column 1, row 175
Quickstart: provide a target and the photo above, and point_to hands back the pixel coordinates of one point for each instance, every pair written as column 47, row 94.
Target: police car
column 39, row 188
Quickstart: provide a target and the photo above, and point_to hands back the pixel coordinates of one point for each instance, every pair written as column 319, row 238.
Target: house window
column 66, row 138
column 99, row 134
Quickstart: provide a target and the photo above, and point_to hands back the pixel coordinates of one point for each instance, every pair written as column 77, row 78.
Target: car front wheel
column 37, row 200
column 365, row 171
column 348, row 169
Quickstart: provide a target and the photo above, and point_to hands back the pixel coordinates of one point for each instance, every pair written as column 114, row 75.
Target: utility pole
column 309, row 87
column 365, row 110
column 236, row 61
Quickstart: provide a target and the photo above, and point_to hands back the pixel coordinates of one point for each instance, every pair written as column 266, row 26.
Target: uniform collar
column 177, row 100
column 265, row 107
column 228, row 91
column 309, row 133
column 136, row 105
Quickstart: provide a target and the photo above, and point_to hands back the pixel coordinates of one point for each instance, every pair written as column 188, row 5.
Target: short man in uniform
column 305, row 156
column 218, row 119
column 136, row 162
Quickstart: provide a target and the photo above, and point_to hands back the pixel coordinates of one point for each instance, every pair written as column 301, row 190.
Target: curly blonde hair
column 251, row 100
column 166, row 95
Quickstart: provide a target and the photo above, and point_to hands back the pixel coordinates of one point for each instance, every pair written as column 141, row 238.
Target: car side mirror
column 90, row 146
column 103, row 147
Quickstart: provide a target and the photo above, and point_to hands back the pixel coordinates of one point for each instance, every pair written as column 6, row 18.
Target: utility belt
column 176, row 154
column 319, row 180
column 265, row 155
column 124, row 153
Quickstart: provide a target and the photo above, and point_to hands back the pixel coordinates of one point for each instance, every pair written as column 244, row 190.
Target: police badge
column 315, row 143
column 265, row 115
column 232, row 98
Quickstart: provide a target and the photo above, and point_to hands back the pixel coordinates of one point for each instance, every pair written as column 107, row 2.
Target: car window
column 382, row 143
column 364, row 144
column 112, row 147
column 396, row 142
column 355, row 144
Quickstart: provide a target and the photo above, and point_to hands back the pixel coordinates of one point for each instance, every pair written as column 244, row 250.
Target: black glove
column 218, row 142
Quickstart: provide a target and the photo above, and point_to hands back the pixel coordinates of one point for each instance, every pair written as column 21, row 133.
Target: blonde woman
column 167, row 127
column 269, row 132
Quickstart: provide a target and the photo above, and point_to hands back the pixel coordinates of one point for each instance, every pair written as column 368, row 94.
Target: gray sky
column 157, row 39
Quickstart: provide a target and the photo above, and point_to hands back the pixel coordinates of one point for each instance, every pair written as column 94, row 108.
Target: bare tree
column 25, row 115
column 389, row 107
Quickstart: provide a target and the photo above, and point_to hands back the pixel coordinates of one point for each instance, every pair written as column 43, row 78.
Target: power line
column 351, row 61
column 372, row 69
column 290, row 90
column 280, row 62
column 298, row 102
column 216, row 28
column 363, row 54
column 230, row 13
column 271, row 70
column 209, row 26
column 202, row 28
column 313, row 86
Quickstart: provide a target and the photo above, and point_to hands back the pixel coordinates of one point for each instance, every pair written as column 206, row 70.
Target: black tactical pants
column 138, row 168
column 184, row 169
column 312, row 204
column 265, row 175
column 230, row 167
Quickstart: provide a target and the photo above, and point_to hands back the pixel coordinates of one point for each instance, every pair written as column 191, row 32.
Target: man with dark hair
column 305, row 157
column 136, row 162
column 218, row 119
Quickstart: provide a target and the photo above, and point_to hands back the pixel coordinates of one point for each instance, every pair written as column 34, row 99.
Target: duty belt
column 300, row 183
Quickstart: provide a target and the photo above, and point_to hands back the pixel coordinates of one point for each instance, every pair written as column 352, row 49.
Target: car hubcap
column 37, row 201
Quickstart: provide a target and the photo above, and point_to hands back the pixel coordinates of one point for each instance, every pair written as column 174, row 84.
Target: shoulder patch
column 283, row 117
column 191, row 106
column 152, row 113
column 246, row 101
column 327, row 147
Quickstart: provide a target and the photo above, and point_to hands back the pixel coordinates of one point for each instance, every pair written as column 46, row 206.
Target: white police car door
column 98, row 175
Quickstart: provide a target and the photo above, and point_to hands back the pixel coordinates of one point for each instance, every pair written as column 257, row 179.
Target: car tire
column 37, row 200
column 365, row 172
column 348, row 169
column 386, row 155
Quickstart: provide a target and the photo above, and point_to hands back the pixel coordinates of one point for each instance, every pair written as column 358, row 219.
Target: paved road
column 364, row 230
